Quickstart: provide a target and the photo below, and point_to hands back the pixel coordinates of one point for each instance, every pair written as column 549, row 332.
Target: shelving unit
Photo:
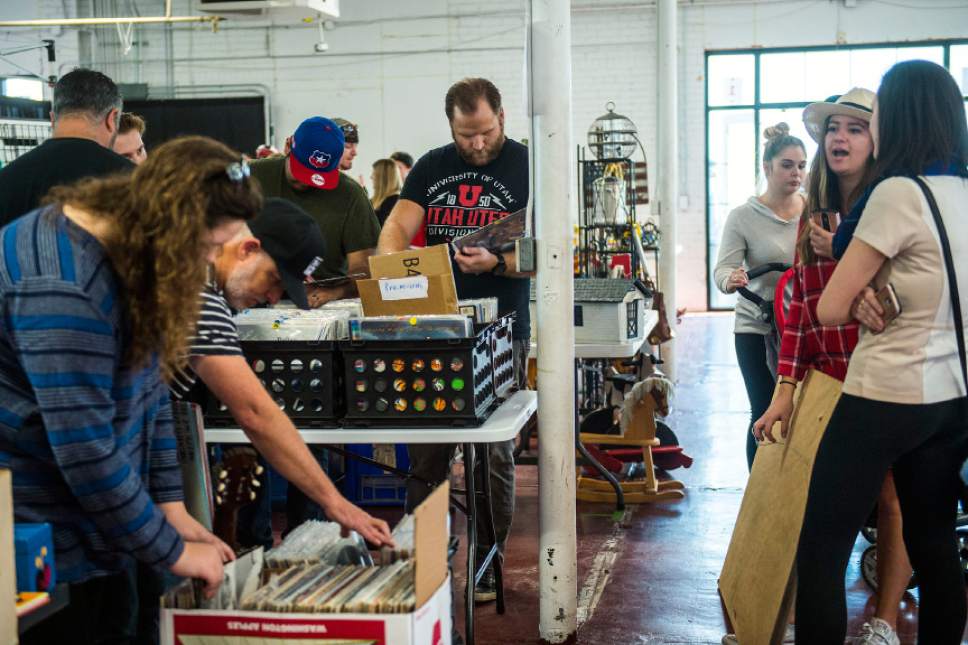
column 608, row 199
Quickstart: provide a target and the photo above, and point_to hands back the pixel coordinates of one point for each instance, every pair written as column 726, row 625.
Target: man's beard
column 235, row 290
column 484, row 157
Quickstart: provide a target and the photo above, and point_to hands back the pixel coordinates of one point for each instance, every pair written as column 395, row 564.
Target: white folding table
column 503, row 424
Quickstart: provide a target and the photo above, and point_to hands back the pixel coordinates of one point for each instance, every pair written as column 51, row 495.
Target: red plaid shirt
column 806, row 344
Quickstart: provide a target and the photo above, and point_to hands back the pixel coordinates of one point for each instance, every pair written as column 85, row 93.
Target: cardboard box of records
column 415, row 281
column 414, row 585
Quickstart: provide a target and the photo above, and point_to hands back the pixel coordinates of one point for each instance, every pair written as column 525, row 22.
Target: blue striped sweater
column 90, row 443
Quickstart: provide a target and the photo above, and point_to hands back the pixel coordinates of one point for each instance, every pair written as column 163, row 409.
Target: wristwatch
column 501, row 265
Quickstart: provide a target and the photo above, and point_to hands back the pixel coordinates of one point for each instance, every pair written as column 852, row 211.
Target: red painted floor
column 662, row 588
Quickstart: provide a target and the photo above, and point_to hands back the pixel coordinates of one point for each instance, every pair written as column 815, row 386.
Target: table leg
column 471, row 501
column 494, row 556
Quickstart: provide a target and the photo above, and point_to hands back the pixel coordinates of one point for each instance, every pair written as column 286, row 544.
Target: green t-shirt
column 344, row 214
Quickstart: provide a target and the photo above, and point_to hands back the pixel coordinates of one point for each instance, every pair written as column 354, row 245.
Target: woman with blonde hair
column 762, row 231
column 100, row 292
column 386, row 187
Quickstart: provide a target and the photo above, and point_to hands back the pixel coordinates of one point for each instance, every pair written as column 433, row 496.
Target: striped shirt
column 90, row 442
column 215, row 335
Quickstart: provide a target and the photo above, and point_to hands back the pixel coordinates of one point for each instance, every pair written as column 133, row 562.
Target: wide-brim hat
column 858, row 103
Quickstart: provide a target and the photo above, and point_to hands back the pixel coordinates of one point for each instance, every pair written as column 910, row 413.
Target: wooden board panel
column 756, row 582
column 8, row 571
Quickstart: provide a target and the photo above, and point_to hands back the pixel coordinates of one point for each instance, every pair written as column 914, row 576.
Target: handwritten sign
column 410, row 288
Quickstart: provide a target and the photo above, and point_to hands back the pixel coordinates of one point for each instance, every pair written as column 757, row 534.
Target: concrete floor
column 662, row 588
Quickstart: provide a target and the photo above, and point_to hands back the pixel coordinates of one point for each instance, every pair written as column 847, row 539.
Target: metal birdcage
column 612, row 135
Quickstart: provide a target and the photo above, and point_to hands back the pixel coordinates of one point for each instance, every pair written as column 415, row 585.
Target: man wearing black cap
column 351, row 135
column 274, row 253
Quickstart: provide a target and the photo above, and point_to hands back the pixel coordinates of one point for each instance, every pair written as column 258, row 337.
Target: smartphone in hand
column 827, row 220
column 889, row 302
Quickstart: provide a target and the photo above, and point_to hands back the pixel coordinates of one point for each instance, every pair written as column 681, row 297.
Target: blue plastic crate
column 367, row 485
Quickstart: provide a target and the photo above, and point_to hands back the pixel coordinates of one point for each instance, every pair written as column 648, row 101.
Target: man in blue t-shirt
column 479, row 178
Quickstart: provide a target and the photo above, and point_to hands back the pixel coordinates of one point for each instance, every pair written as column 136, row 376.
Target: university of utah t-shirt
column 458, row 199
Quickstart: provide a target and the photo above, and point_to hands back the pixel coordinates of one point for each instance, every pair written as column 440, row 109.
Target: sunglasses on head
column 349, row 130
column 238, row 171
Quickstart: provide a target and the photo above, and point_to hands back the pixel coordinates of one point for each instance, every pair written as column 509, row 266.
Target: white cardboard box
column 430, row 624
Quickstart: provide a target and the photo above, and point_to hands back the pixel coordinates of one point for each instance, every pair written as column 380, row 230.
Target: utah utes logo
column 319, row 159
column 469, row 195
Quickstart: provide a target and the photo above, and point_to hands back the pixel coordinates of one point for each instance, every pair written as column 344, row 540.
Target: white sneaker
column 789, row 636
column 876, row 632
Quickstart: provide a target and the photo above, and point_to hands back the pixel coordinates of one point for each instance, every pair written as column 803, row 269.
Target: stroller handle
column 762, row 269
column 765, row 306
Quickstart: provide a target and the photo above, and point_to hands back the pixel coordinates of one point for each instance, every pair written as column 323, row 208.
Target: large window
column 746, row 91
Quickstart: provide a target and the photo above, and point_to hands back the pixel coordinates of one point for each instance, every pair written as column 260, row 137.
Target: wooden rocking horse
column 637, row 429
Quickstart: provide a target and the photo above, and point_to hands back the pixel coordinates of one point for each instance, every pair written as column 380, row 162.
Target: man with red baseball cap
column 309, row 176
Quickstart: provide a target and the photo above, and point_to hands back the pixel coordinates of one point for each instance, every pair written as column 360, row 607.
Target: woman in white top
column 903, row 402
column 761, row 231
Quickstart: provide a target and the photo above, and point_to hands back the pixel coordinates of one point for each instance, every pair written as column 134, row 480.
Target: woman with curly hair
column 99, row 293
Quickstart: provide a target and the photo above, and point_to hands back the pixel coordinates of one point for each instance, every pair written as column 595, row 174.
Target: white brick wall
column 391, row 61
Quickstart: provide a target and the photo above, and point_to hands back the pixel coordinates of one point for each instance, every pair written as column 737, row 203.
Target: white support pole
column 550, row 82
column 668, row 166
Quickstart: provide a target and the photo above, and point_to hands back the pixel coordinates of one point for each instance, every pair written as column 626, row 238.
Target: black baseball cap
column 292, row 239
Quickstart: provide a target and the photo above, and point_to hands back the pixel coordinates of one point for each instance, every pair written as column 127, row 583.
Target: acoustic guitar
column 236, row 483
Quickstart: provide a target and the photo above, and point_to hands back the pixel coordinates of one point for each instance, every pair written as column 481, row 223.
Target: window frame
column 758, row 105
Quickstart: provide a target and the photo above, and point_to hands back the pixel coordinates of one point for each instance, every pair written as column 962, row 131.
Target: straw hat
column 858, row 103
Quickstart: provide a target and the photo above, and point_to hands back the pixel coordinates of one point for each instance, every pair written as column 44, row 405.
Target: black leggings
column 926, row 445
column 752, row 358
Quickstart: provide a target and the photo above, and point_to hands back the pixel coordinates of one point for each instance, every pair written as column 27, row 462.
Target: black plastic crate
column 304, row 378
column 430, row 383
column 502, row 356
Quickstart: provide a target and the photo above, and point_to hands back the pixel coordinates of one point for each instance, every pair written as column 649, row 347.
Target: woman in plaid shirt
column 842, row 169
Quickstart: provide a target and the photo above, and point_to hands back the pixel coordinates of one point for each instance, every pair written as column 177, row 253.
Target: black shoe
column 486, row 589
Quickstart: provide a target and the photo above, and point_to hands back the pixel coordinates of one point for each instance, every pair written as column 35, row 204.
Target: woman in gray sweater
column 762, row 230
